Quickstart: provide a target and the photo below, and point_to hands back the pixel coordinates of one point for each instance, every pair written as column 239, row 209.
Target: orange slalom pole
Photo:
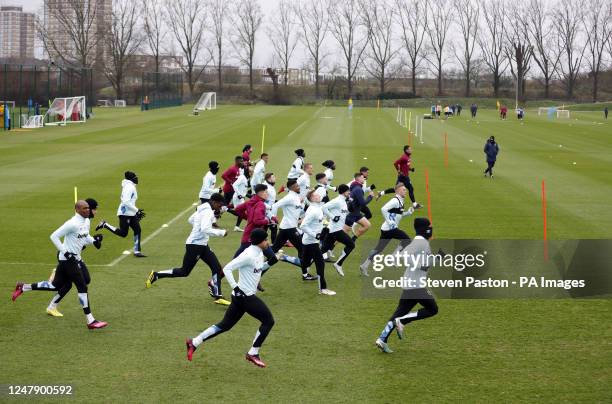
column 544, row 221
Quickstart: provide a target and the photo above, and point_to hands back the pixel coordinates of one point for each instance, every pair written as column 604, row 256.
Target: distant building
column 146, row 63
column 17, row 33
column 59, row 13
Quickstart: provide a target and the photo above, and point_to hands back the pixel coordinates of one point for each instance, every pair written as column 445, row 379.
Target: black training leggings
column 490, row 165
column 341, row 237
column 386, row 237
column 430, row 309
column 255, row 307
column 312, row 252
column 193, row 253
column 404, row 179
column 285, row 235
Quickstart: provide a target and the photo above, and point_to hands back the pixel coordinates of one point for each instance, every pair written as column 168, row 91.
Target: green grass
column 321, row 349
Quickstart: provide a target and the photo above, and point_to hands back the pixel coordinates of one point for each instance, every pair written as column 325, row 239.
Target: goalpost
column 206, row 101
column 120, row 103
column 67, row 110
column 563, row 113
column 34, row 122
column 543, row 110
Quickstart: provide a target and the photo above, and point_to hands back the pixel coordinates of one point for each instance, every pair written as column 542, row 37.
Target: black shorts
column 352, row 219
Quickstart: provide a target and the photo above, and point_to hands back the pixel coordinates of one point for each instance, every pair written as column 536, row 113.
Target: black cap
column 328, row 163
column 342, row 188
column 422, row 227
column 213, row 165
column 299, row 152
column 257, row 236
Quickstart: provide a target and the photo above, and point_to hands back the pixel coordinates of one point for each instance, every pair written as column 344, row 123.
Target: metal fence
column 160, row 90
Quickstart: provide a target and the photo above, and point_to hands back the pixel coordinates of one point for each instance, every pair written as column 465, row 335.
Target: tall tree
column 378, row 19
column 71, row 33
column 123, row 40
column 282, row 33
column 247, row 21
column 567, row 18
column 598, row 30
column 541, row 34
column 491, row 43
column 218, row 12
column 153, row 24
column 437, row 30
column 349, row 32
column 519, row 50
column 187, row 20
column 468, row 14
column 314, row 21
column 412, row 16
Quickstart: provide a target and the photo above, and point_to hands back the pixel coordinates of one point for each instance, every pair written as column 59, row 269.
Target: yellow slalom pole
column 75, row 195
column 263, row 137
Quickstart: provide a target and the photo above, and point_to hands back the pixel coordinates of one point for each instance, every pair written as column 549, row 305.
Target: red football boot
column 97, row 324
column 256, row 360
column 18, row 291
column 190, row 348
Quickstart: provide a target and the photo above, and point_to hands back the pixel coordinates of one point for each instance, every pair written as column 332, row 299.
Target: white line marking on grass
column 306, row 121
column 152, row 235
column 45, row 264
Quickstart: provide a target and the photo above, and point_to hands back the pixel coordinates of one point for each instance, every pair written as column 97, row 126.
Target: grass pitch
column 321, row 348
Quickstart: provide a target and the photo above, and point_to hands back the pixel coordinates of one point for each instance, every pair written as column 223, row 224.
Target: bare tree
column 123, row 40
column 519, row 50
column 412, row 16
column 153, row 24
column 468, row 15
column 71, row 32
column 187, row 20
column 218, row 12
column 347, row 29
column 597, row 27
column 282, row 33
column 567, row 18
column 545, row 51
column 248, row 17
column 437, row 30
column 378, row 19
column 492, row 42
column 314, row 21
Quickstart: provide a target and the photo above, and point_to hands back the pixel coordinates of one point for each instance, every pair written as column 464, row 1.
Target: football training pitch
column 321, row 348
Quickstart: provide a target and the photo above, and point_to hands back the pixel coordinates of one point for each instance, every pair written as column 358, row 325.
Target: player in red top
column 246, row 157
column 402, row 166
column 229, row 176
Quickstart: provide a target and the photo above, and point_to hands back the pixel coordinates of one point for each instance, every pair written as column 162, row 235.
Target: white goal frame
column 34, row 122
column 563, row 113
column 543, row 110
column 66, row 107
column 207, row 101
column 120, row 104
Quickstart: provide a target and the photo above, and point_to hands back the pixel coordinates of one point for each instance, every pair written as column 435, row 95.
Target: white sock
column 53, row 302
column 254, row 351
column 167, row 271
column 353, row 228
column 26, row 287
column 414, row 204
column 90, row 318
column 110, row 227
column 212, row 330
column 325, row 256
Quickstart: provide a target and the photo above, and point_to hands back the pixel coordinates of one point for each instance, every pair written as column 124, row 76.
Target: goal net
column 66, row 110
column 120, row 103
column 563, row 113
column 34, row 122
column 543, row 110
column 104, row 103
column 206, row 101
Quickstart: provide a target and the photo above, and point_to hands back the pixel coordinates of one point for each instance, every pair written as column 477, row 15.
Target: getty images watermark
column 494, row 269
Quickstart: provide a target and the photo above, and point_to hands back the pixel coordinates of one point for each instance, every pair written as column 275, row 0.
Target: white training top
column 208, row 186
column 304, row 183
column 392, row 220
column 129, row 195
column 297, row 168
column 336, row 210
column 312, row 224
column 202, row 221
column 292, row 209
column 271, row 199
column 417, row 266
column 259, row 174
column 321, row 190
column 240, row 189
column 329, row 174
column 249, row 265
column 75, row 232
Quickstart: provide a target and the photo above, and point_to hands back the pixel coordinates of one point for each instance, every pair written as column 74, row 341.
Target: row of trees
column 386, row 39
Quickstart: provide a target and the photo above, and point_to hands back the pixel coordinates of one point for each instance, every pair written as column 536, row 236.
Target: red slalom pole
column 445, row 149
column 544, row 221
column 428, row 195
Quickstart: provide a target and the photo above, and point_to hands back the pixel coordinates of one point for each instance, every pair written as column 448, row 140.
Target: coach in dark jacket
column 491, row 149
